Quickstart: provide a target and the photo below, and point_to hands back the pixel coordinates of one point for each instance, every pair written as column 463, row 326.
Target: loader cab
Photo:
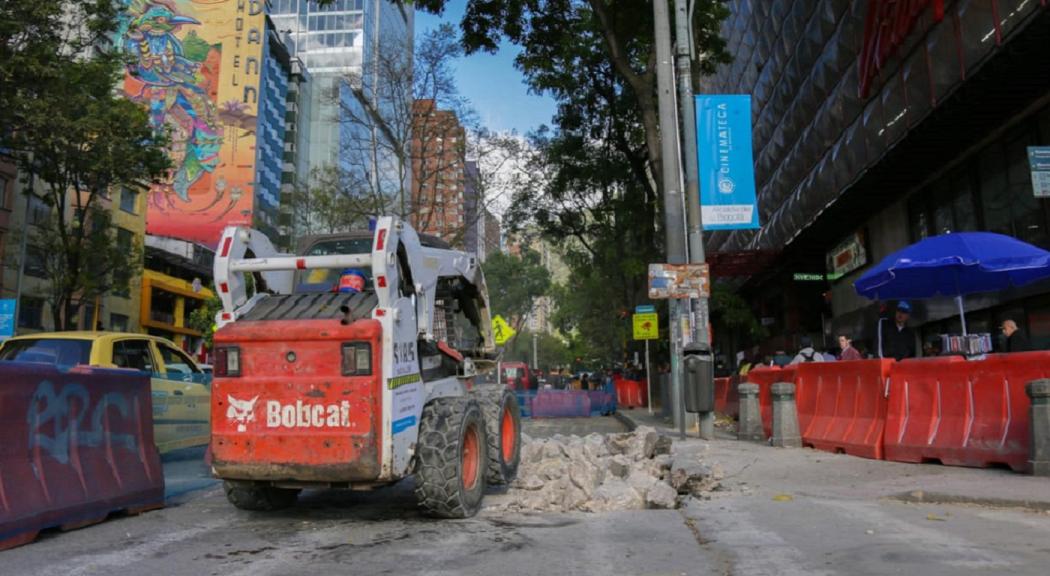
column 357, row 242
column 327, row 279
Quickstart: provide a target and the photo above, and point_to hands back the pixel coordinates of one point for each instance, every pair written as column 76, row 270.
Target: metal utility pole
column 672, row 195
column 683, row 66
column 535, row 354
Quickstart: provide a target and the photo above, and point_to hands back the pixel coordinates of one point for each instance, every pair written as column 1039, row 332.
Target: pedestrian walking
column 847, row 351
column 898, row 341
column 807, row 353
column 1015, row 341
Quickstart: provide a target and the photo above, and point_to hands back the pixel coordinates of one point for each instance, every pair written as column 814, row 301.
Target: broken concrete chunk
column 599, row 473
column 618, row 466
column 661, row 496
column 663, row 445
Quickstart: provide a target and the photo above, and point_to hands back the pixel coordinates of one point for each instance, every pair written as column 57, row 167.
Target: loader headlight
column 357, row 359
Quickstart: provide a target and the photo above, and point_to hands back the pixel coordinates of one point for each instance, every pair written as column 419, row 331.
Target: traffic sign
column 643, row 308
column 501, row 331
column 646, row 326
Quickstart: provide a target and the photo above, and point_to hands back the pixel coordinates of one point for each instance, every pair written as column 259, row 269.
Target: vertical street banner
column 7, row 318
column 727, row 171
column 196, row 65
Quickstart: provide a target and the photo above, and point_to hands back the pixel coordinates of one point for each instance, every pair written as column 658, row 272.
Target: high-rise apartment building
column 438, row 173
column 493, row 240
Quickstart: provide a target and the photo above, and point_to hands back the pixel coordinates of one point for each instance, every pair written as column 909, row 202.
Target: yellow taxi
column 181, row 390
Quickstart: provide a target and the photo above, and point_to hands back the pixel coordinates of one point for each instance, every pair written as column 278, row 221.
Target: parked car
column 181, row 390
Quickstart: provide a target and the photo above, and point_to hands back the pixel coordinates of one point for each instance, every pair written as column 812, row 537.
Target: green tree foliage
column 326, row 204
column 70, row 133
column 596, row 180
column 551, row 350
column 202, row 318
column 732, row 312
column 105, row 260
column 514, row 284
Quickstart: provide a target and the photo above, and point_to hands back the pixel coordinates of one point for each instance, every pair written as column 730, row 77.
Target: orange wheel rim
column 507, row 436
column 470, row 458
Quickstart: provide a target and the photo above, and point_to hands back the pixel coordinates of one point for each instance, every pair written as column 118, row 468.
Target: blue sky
column 491, row 83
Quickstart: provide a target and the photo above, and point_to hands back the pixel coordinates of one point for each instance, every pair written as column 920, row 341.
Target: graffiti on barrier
column 57, row 420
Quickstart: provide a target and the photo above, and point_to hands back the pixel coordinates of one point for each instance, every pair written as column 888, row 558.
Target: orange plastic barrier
column 727, row 398
column 721, row 394
column 842, row 405
column 765, row 376
column 77, row 446
column 631, row 393
column 963, row 413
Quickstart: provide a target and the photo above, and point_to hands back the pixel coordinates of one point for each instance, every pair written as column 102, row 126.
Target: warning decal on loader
column 395, row 383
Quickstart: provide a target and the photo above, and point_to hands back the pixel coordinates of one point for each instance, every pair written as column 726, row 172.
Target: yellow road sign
column 501, row 331
column 646, row 326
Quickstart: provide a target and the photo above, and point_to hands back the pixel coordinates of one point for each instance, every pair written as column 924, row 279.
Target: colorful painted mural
column 196, row 65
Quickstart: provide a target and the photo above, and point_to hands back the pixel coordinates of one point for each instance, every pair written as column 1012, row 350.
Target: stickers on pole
column 646, row 326
column 1039, row 162
column 679, row 281
column 501, row 331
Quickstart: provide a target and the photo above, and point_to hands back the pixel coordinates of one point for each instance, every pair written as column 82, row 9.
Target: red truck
column 518, row 376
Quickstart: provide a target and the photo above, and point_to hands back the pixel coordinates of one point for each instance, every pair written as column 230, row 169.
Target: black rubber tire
column 443, row 430
column 259, row 497
column 493, row 401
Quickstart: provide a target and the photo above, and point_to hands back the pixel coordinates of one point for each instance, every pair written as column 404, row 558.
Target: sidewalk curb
column 924, row 497
column 625, row 420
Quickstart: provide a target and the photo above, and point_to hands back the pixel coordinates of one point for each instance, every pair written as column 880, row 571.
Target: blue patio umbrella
column 955, row 265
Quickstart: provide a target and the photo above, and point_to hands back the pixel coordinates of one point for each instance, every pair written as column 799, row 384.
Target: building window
column 31, row 313
column 35, row 264
column 118, row 322
column 4, row 196
column 129, row 200
column 39, row 211
column 946, row 206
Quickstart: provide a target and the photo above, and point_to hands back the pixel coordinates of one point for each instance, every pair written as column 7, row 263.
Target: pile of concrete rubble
column 599, row 473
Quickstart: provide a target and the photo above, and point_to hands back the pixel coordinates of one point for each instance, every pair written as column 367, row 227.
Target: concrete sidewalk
column 806, row 469
column 787, row 511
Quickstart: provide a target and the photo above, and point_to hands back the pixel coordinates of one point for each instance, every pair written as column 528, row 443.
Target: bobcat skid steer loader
column 351, row 365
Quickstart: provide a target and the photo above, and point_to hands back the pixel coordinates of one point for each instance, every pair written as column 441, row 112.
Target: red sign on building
column 888, row 25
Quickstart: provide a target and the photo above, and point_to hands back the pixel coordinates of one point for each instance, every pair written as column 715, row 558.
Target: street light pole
column 683, row 66
column 674, row 223
column 535, row 355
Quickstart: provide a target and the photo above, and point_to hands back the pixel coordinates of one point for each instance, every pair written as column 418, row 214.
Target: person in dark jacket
column 1015, row 341
column 898, row 339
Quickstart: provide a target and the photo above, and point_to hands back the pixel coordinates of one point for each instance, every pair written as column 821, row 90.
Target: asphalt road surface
column 378, row 532
column 782, row 512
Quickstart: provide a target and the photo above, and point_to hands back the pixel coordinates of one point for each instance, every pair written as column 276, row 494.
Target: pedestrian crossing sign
column 646, row 326
column 501, row 331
